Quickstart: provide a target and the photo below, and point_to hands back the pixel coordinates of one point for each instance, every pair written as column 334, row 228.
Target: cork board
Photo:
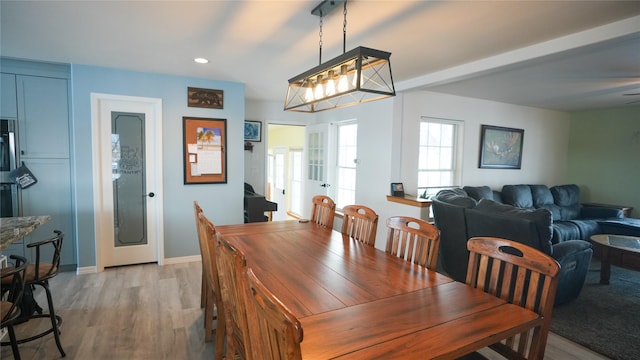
column 204, row 146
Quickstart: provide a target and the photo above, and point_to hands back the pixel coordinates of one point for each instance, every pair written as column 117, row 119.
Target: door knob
column 325, row 185
column 151, row 194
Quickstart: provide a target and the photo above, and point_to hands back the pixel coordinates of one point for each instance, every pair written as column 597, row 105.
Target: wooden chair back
column 360, row 223
column 413, row 240
column 275, row 331
column 323, row 211
column 232, row 267
column 203, row 290
column 521, row 275
column 212, row 282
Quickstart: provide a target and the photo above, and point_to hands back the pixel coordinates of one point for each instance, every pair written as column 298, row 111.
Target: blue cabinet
column 43, row 117
column 40, row 96
column 8, row 106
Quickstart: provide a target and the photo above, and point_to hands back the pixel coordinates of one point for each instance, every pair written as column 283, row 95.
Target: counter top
column 15, row 228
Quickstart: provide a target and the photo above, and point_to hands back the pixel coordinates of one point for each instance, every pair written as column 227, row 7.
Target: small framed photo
column 500, row 147
column 205, row 98
column 252, row 130
column 397, row 189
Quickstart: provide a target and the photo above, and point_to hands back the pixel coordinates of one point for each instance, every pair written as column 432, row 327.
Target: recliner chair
column 459, row 218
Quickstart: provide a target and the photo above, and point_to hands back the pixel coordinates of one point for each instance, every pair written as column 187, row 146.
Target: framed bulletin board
column 204, row 146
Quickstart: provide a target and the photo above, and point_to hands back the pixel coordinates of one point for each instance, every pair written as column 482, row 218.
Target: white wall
column 388, row 144
column 545, row 147
column 255, row 167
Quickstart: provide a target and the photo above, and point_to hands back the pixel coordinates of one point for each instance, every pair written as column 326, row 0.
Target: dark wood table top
column 15, row 228
column 357, row 302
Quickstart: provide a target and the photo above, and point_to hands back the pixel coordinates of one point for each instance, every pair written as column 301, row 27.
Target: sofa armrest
column 599, row 212
column 566, row 248
column 574, row 257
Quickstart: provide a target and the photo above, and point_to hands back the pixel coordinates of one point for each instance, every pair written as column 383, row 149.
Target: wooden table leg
column 605, row 267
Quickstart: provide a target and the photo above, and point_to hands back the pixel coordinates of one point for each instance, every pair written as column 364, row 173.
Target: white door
column 127, row 156
column 317, row 172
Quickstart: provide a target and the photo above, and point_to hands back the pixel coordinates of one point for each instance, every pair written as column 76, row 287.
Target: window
column 438, row 158
column 347, row 134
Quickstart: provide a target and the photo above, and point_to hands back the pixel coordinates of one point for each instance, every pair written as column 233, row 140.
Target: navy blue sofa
column 571, row 219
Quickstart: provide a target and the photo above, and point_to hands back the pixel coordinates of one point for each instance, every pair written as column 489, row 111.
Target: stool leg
column 14, row 342
column 54, row 319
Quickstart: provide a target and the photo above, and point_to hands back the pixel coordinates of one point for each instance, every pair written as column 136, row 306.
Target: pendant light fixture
column 357, row 76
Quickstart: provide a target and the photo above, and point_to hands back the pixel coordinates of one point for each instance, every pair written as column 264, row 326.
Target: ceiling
column 563, row 55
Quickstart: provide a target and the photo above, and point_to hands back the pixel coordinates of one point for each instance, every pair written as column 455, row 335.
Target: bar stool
column 39, row 274
column 12, row 292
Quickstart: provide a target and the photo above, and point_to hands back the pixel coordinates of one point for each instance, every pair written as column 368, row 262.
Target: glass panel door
column 128, row 175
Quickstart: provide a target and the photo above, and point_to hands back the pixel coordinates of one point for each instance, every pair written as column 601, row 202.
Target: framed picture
column 500, row 147
column 397, row 189
column 252, row 130
column 205, row 98
column 204, row 146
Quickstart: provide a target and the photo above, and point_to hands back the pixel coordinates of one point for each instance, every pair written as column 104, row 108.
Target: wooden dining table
column 357, row 302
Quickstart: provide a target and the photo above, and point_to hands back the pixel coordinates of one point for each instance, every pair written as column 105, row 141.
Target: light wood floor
column 151, row 312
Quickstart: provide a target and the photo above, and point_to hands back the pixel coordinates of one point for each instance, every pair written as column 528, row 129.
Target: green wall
column 604, row 156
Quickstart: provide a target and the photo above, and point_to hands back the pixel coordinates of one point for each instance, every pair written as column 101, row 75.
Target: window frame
column 425, row 190
column 338, row 166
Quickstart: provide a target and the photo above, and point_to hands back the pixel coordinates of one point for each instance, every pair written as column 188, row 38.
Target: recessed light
column 201, row 60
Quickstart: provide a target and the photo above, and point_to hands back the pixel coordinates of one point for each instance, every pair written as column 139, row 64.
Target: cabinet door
column 43, row 117
column 8, row 106
column 51, row 195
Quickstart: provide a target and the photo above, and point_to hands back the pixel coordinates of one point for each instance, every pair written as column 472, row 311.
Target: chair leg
column 220, row 335
column 55, row 320
column 14, row 342
column 209, row 316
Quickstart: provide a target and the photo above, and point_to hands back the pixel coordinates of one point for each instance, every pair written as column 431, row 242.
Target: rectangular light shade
column 357, row 76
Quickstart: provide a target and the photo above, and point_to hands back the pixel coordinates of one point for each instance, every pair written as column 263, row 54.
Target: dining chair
column 232, row 267
column 360, row 223
column 520, row 275
column 413, row 240
column 213, row 299
column 39, row 274
column 208, row 295
column 13, row 283
column 275, row 331
column 203, row 291
column 323, row 211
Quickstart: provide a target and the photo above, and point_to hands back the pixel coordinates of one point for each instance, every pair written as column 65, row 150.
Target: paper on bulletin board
column 206, row 155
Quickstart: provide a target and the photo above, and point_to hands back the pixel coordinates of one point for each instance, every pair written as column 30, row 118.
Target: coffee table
column 618, row 250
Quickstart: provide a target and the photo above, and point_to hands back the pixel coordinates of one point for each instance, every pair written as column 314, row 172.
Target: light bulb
column 343, row 82
column 331, row 85
column 319, row 90
column 308, row 96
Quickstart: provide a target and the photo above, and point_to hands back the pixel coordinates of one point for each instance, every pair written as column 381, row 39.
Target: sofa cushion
column 565, row 230
column 567, row 197
column 455, row 197
column 479, row 192
column 587, row 228
column 542, row 198
column 518, row 196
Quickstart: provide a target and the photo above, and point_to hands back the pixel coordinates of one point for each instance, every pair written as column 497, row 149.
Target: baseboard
column 182, row 259
column 86, row 270
column 169, row 261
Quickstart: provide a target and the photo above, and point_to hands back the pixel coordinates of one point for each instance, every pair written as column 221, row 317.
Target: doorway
column 127, row 157
column 284, row 170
